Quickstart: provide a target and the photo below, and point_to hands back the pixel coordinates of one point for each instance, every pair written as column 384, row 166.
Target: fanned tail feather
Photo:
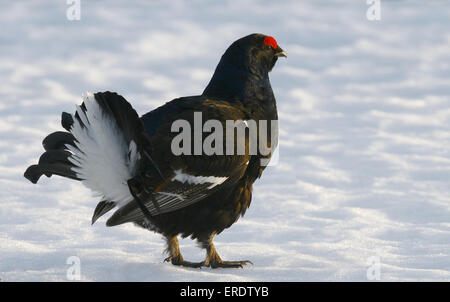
column 101, row 149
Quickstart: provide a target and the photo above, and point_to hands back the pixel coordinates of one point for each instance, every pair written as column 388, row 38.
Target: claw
column 230, row 264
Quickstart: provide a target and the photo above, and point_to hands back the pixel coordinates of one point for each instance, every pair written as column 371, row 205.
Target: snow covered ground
column 363, row 182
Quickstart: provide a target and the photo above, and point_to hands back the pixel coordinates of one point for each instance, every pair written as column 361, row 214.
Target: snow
column 364, row 166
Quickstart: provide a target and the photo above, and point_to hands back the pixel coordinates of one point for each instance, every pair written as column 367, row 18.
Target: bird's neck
column 241, row 84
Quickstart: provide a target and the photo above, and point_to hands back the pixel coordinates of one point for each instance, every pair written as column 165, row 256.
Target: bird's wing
column 179, row 191
column 185, row 179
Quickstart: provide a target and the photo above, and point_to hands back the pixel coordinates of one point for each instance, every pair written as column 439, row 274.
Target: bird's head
column 256, row 52
column 247, row 61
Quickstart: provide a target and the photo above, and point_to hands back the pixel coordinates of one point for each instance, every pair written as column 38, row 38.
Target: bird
column 130, row 162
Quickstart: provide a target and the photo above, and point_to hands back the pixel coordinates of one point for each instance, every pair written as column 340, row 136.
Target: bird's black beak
column 280, row 53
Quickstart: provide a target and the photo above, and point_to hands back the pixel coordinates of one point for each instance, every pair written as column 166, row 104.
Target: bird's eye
column 271, row 42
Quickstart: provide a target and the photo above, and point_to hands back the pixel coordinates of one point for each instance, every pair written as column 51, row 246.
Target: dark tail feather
column 55, row 156
column 66, row 121
column 123, row 113
column 102, row 207
column 34, row 172
column 58, row 140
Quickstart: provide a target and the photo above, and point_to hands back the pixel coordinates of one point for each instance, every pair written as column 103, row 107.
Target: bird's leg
column 175, row 255
column 213, row 259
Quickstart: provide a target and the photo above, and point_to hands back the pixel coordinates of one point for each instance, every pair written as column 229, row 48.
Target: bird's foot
column 213, row 259
column 179, row 261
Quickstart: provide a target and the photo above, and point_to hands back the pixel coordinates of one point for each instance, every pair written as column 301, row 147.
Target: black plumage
column 188, row 195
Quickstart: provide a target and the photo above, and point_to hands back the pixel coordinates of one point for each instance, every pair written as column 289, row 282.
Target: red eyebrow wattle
column 271, row 42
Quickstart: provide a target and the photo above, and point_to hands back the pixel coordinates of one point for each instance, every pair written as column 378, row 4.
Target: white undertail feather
column 192, row 179
column 102, row 159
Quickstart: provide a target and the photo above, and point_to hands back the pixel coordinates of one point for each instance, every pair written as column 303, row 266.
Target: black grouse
column 167, row 180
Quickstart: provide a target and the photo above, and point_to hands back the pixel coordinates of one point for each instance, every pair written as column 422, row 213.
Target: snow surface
column 364, row 163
